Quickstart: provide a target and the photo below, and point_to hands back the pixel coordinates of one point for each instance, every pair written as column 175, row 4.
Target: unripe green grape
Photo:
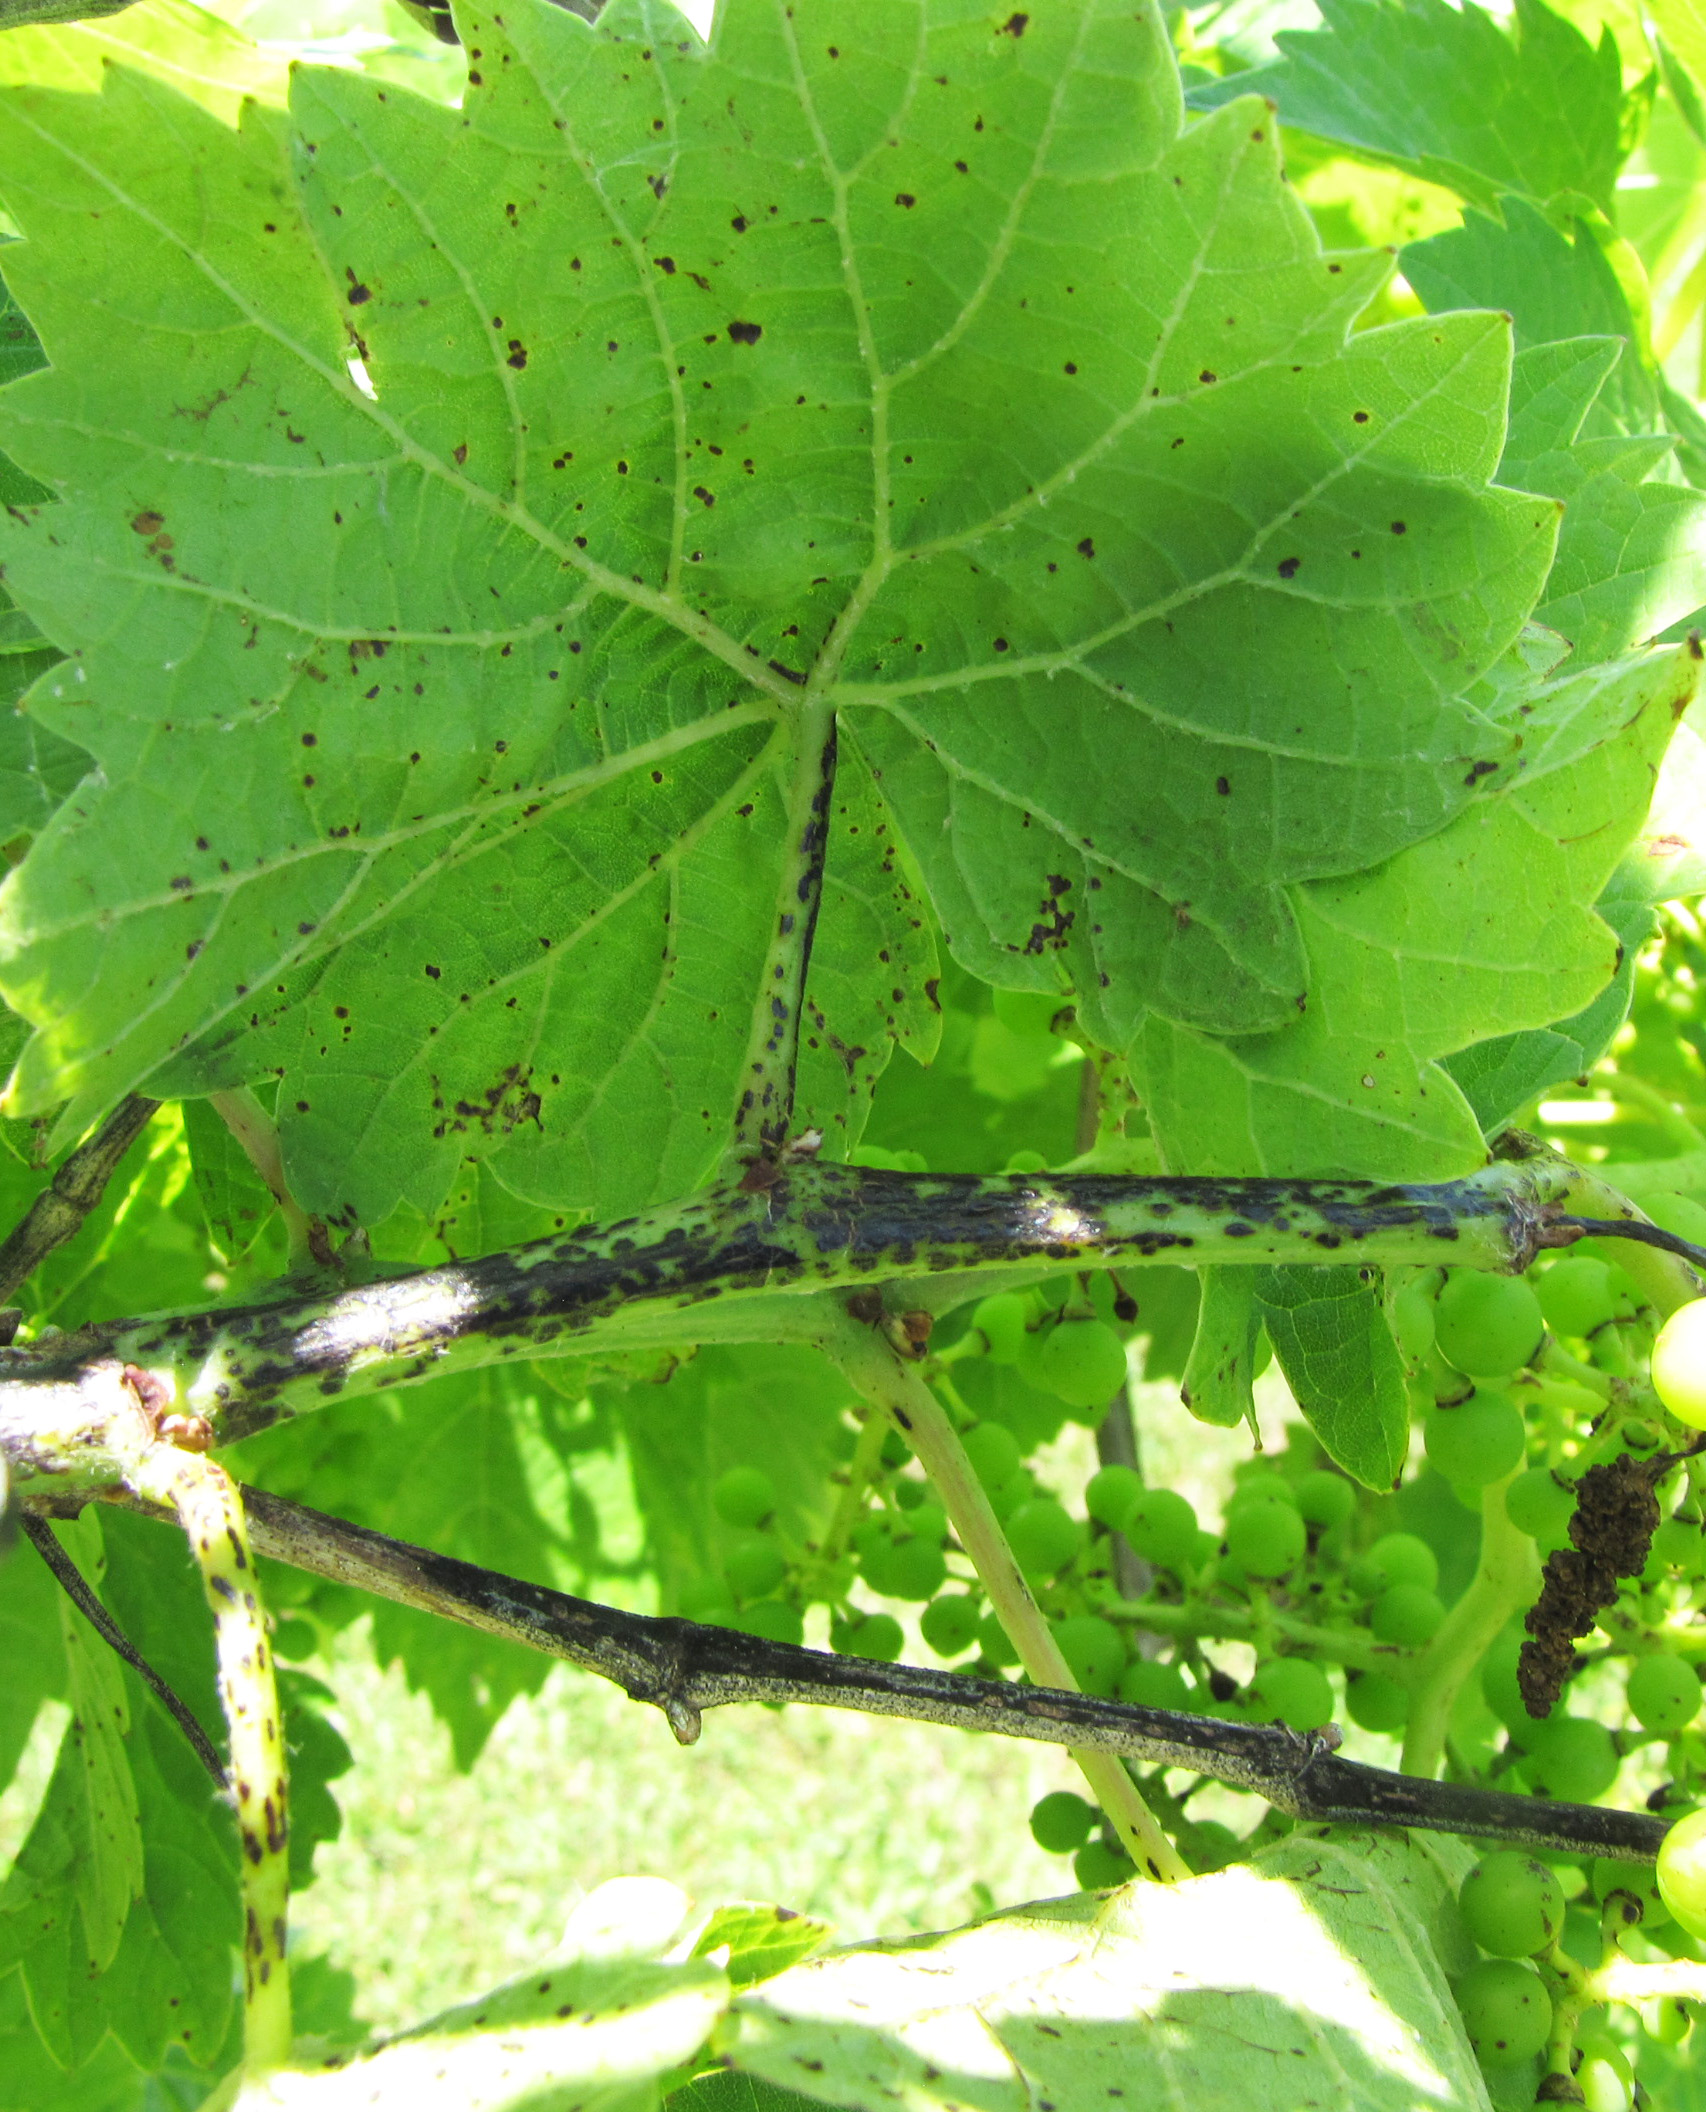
column 1414, row 1322
column 1016, row 1489
column 1002, row 1322
column 896, row 1451
column 1512, row 1904
column 1538, row 1504
column 1406, row 1614
column 1110, row 1494
column 1061, row 1822
column 1325, row 1499
column 1080, row 1362
column 1043, row 1537
column 1291, row 1690
column 994, row 1453
column 1377, row 1702
column 1576, row 1295
column 778, row 1622
column 905, row 1569
column 1266, row 1539
column 1207, row 1845
column 1499, row 1688
column 293, row 1638
column 1095, row 1649
column 877, row 1636
column 754, row 1566
column 949, row 1624
column 1664, row 1692
column 1153, row 1685
column 1631, row 1890
column 1679, row 1364
column 743, row 1496
column 1163, row 1528
column 1488, row 1326
column 1682, row 1872
column 1480, row 1440
column 993, row 1642
column 1678, row 1544
column 928, row 1521
column 1669, row 2021
column 1263, row 1487
column 1507, row 2012
column 1570, row 1758
column 1605, row 2078
column 707, row 1599
column 1097, row 1867
column 1395, row 1558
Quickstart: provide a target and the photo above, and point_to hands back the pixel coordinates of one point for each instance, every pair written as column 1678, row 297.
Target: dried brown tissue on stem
column 684, row 1669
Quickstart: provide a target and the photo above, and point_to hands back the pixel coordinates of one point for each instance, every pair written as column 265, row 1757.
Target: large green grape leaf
column 1314, row 1977
column 455, row 708
column 174, row 40
column 1487, row 925
column 1446, row 94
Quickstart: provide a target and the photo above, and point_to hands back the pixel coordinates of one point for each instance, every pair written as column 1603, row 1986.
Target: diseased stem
column 764, row 1115
column 58, row 1212
column 257, row 1132
column 889, row 1382
column 210, row 1510
column 1506, row 1579
column 733, row 1266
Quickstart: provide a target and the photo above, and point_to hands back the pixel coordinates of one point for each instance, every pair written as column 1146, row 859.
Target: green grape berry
column 1406, row 1614
column 1576, row 1296
column 1479, row 1440
column 1664, row 1692
column 1679, row 1364
column 949, row 1624
column 1500, row 1690
column 778, row 1622
column 743, row 1496
column 877, row 1636
column 1682, row 1872
column 1095, row 1649
column 706, row 1599
column 1110, row 1494
column 1153, row 1685
column 994, row 1644
column 1207, row 1845
column 293, row 1638
column 1061, row 1822
column 1325, row 1499
column 905, row 1569
column 1002, row 1322
column 1631, row 1891
column 1539, row 1504
column 1570, row 1758
column 1097, row 1867
column 1266, row 1539
column 1395, row 1558
column 1080, row 1362
column 1507, row 2012
column 1292, row 1690
column 994, row 1453
column 1678, row 1544
column 1375, row 1701
column 928, row 1521
column 1414, row 1322
column 1512, row 1904
column 1487, row 1326
column 754, row 1566
column 1163, row 1529
column 1043, row 1536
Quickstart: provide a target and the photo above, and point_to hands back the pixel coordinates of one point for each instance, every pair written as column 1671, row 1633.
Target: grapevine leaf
column 730, row 1407
column 1057, row 450
column 30, row 1650
column 1632, row 551
column 594, row 2028
column 38, row 769
column 1330, row 1335
column 107, row 1869
column 1446, row 94
column 236, row 1201
column 186, row 47
column 725, row 2091
column 760, row 1941
column 1307, row 1978
column 1488, row 924
column 1554, row 286
column 1217, row 1382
